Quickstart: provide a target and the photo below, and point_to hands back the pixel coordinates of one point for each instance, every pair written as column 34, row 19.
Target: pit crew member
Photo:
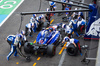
column 52, row 5
column 29, row 28
column 22, row 37
column 68, row 30
column 73, row 41
column 73, row 24
column 64, row 5
column 33, row 18
column 81, row 24
column 13, row 40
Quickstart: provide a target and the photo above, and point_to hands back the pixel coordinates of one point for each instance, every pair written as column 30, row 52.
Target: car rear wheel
column 51, row 50
column 27, row 48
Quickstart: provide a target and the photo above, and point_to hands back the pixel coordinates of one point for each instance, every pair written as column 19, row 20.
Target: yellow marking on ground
column 34, row 41
column 51, row 21
column 34, row 64
column 38, row 58
column 17, row 62
column 62, row 48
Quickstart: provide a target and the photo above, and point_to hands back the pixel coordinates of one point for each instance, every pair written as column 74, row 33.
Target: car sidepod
column 55, row 38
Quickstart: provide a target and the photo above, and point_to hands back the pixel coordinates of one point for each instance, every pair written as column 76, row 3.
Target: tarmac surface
column 11, row 26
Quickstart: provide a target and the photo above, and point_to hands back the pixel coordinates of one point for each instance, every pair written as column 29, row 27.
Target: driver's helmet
column 23, row 32
column 34, row 15
column 67, row 39
column 51, row 29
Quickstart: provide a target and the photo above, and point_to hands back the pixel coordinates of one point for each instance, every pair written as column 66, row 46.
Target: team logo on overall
column 94, row 29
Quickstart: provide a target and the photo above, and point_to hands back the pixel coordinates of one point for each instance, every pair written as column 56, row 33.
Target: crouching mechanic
column 29, row 28
column 73, row 24
column 35, row 21
column 81, row 24
column 13, row 40
column 72, row 41
column 68, row 30
column 22, row 37
column 33, row 18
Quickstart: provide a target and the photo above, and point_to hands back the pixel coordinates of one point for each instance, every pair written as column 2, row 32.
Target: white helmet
column 63, row 25
column 23, row 32
column 32, row 24
column 34, row 15
column 42, row 16
column 67, row 39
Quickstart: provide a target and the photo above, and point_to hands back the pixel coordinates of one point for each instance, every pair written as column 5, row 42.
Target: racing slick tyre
column 51, row 50
column 72, row 50
column 27, row 48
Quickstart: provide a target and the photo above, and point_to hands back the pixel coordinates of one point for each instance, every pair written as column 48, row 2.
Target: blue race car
column 46, row 42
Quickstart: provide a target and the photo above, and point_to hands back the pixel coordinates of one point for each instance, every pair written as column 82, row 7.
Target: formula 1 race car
column 46, row 43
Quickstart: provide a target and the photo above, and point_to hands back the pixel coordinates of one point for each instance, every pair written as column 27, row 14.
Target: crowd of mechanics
column 75, row 23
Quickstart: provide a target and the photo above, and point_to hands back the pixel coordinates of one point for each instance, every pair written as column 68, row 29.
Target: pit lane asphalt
column 11, row 26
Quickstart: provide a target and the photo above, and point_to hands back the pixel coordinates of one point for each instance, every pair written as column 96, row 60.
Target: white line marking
column 62, row 58
column 11, row 13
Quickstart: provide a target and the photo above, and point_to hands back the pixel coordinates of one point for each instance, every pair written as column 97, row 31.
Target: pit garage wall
column 93, row 27
column 98, row 52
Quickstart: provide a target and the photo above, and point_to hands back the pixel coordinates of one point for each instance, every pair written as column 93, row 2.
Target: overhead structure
column 57, row 11
column 70, row 4
column 79, row 2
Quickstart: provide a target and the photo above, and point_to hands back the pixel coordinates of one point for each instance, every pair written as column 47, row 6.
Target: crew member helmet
column 63, row 25
column 23, row 32
column 32, row 24
column 66, row 39
column 34, row 15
